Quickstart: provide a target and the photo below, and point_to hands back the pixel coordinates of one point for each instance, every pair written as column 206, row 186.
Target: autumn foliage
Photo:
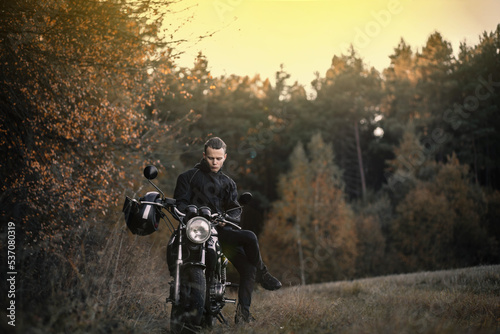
column 311, row 235
column 372, row 173
column 72, row 82
column 74, row 78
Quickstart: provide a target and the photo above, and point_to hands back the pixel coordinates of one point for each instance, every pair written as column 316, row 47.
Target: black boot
column 243, row 315
column 267, row 281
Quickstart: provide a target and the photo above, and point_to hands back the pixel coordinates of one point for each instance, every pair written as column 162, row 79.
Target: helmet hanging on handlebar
column 142, row 219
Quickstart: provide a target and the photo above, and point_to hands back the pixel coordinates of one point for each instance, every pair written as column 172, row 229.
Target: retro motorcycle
column 194, row 256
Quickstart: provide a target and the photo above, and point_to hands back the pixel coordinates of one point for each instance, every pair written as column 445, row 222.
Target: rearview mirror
column 245, row 198
column 150, row 172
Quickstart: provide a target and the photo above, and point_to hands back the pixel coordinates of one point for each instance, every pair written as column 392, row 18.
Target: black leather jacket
column 201, row 187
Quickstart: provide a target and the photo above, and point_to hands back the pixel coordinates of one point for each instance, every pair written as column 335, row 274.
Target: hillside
column 452, row 301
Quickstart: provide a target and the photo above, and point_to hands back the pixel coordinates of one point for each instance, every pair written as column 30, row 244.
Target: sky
column 258, row 36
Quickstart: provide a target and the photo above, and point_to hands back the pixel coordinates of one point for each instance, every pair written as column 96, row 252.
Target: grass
column 455, row 301
column 124, row 291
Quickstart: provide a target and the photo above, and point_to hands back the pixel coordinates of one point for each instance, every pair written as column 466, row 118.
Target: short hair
column 216, row 143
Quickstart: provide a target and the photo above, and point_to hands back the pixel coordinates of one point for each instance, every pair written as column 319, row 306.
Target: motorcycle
column 194, row 256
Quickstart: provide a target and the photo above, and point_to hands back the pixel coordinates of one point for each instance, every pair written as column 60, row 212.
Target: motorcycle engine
column 217, row 291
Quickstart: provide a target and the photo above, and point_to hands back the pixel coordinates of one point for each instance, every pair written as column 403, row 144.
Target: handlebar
column 151, row 203
column 231, row 219
column 225, row 219
column 178, row 212
column 217, row 217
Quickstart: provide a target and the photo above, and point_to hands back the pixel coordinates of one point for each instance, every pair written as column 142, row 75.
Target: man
column 207, row 185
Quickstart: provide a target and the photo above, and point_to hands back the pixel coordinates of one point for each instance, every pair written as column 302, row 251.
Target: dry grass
column 455, row 301
column 124, row 291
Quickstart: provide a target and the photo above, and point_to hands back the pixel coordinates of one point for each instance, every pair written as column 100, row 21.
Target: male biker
column 207, row 185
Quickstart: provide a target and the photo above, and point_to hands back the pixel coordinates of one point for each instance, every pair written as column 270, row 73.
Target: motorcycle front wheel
column 186, row 316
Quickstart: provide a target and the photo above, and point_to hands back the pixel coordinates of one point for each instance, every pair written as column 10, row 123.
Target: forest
column 377, row 173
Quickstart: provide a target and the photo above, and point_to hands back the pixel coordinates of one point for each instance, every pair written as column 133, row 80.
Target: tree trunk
column 360, row 160
column 299, row 245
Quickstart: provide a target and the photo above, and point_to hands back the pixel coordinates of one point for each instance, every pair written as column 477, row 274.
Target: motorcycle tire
column 187, row 315
column 209, row 321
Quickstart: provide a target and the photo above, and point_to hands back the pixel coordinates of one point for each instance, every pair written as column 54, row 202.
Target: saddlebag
column 142, row 219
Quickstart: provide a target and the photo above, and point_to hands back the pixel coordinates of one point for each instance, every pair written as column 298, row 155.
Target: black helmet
column 142, row 219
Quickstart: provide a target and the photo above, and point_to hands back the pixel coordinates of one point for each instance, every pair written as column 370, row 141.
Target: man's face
column 215, row 158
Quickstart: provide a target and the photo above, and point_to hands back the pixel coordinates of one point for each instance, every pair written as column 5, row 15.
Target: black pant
column 241, row 247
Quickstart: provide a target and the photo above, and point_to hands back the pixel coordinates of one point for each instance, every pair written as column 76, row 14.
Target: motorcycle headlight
column 198, row 230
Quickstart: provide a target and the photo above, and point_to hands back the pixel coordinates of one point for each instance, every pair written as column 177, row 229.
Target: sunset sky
column 256, row 36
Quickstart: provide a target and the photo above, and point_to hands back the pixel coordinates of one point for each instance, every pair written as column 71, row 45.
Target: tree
column 287, row 217
column 424, row 230
column 398, row 106
column 63, row 115
column 410, row 159
column 471, row 119
column 73, row 87
column 348, row 102
column 371, row 259
column 311, row 224
column 438, row 223
column 471, row 241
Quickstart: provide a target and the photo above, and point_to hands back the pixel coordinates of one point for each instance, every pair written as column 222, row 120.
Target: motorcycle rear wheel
column 186, row 316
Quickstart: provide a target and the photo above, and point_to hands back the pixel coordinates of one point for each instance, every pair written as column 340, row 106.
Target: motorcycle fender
column 194, row 264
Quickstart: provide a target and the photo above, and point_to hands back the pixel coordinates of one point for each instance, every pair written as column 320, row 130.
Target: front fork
column 178, row 265
column 175, row 298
